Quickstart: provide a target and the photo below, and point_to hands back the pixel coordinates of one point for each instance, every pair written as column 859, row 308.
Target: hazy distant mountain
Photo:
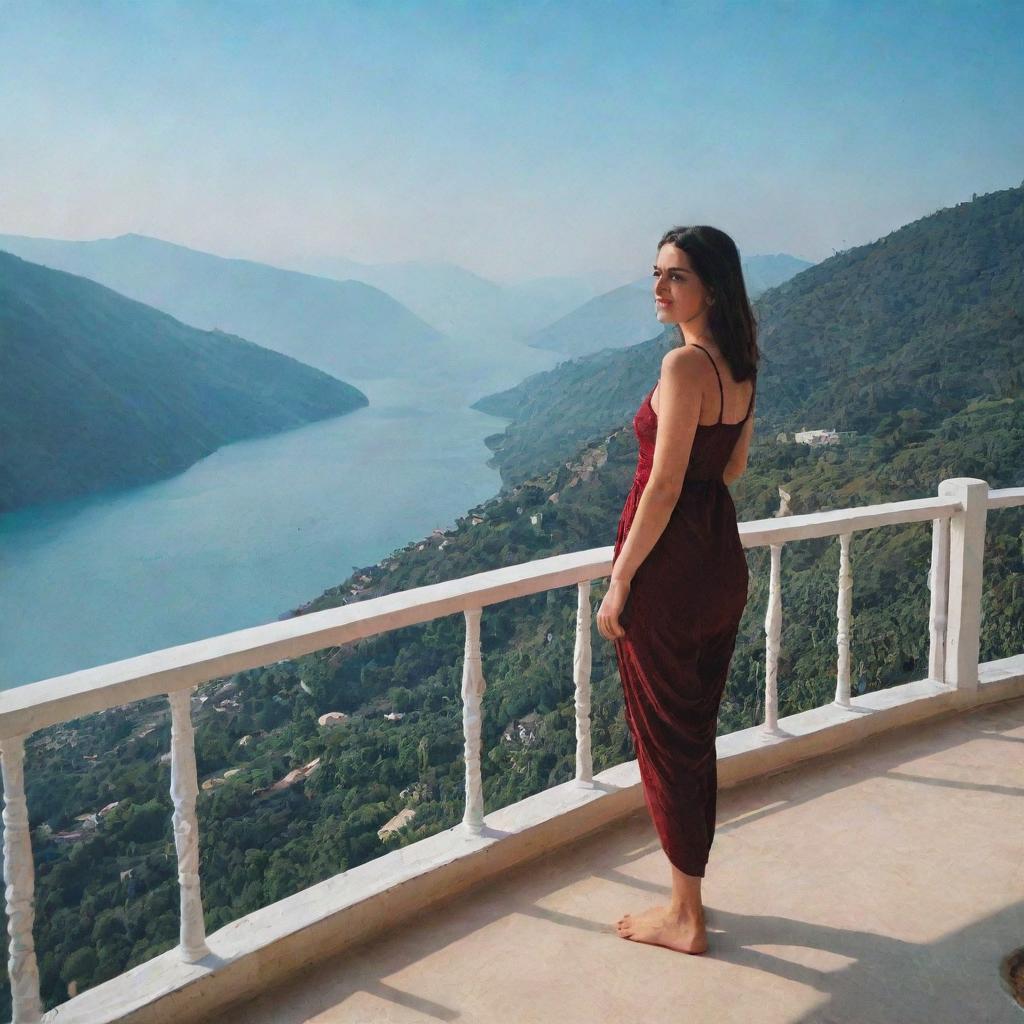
column 98, row 391
column 545, row 299
column 347, row 328
column 617, row 319
column 768, row 271
column 460, row 302
column 889, row 339
column 625, row 316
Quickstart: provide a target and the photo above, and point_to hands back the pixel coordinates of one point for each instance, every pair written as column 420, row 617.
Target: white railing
column 958, row 516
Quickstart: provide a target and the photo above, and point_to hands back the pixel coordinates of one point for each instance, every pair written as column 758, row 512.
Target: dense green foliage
column 256, row 847
column 100, row 392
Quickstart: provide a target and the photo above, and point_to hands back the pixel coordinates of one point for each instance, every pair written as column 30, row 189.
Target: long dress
column 681, row 618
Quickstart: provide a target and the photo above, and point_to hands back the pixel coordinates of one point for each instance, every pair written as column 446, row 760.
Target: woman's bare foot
column 660, row 927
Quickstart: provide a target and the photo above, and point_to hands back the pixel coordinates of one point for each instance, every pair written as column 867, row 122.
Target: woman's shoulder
column 681, row 357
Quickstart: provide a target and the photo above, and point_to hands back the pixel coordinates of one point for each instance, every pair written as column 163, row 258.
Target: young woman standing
column 679, row 575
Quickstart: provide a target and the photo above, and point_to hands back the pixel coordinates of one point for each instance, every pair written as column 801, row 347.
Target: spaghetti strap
column 721, row 393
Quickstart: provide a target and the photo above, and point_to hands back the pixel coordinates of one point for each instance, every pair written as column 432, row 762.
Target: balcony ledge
column 264, row 948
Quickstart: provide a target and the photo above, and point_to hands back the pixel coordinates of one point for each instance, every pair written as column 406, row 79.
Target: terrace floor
column 882, row 884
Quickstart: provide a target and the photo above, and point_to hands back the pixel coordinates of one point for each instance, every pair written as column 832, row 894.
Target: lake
column 250, row 532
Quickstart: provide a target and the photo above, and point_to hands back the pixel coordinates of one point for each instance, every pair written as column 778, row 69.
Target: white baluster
column 843, row 620
column 773, row 637
column 184, row 789
column 19, row 878
column 966, row 564
column 581, row 664
column 473, row 687
column 938, row 584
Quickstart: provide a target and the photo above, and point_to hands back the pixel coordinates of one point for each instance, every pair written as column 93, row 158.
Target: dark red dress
column 681, row 619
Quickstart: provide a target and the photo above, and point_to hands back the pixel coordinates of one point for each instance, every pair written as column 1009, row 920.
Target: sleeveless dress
column 681, row 619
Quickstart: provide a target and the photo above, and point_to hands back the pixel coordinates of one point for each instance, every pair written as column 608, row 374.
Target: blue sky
column 515, row 139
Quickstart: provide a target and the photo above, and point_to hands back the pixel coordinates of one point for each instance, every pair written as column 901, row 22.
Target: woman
column 679, row 575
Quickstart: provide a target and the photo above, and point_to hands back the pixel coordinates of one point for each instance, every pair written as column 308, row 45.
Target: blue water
column 245, row 535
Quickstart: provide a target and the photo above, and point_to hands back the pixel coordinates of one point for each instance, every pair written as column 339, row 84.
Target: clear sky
column 517, row 139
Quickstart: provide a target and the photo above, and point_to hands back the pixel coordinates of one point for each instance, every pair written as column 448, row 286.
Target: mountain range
column 341, row 327
column 425, row 317
column 345, row 328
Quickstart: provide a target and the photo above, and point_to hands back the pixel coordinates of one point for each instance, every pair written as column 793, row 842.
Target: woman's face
column 679, row 293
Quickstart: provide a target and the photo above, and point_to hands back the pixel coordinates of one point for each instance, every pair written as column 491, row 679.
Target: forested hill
column 98, row 391
column 909, row 328
column 557, row 411
column 921, row 321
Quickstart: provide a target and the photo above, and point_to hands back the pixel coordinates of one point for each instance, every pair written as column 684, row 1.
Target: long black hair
column 716, row 261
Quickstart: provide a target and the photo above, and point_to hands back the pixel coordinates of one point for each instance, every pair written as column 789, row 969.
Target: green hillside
column 578, row 402
column 910, row 328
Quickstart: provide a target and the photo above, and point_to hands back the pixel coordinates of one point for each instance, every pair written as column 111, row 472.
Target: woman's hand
column 610, row 610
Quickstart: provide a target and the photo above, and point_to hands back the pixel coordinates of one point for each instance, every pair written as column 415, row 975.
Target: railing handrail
column 32, row 706
column 47, row 702
column 762, row 532
column 1005, row 497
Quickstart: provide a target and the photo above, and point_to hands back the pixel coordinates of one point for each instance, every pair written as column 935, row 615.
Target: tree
column 80, row 966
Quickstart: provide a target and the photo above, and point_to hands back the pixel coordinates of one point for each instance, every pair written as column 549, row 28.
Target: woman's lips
column 663, row 302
